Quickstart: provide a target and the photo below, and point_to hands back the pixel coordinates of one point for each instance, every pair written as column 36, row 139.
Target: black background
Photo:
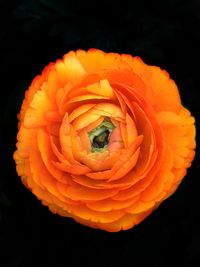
column 33, row 33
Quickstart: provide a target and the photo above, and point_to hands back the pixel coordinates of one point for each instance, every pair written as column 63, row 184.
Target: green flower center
column 99, row 137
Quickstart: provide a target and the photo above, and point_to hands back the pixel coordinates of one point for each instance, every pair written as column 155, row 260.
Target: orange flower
column 103, row 138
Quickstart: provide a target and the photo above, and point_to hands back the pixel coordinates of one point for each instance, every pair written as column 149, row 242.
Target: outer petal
column 162, row 91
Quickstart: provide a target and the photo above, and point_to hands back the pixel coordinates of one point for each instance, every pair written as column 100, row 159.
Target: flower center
column 99, row 137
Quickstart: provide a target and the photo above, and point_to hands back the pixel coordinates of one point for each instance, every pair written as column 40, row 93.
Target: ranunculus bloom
column 103, row 138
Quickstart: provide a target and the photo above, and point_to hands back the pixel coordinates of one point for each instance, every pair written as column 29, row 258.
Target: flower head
column 103, row 138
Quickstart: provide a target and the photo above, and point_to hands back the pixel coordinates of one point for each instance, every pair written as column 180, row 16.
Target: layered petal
column 103, row 138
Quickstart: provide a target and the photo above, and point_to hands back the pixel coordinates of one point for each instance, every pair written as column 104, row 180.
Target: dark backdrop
column 33, row 33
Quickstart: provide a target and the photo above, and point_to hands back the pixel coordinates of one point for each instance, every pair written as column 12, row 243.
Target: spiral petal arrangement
column 103, row 138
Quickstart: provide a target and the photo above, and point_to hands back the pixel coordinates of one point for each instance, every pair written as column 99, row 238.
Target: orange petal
column 139, row 207
column 53, row 116
column 47, row 156
column 85, row 119
column 86, row 97
column 110, row 110
column 65, row 140
column 115, row 140
column 99, row 110
column 70, row 69
column 102, row 88
column 148, row 145
column 95, row 60
column 82, row 193
column 84, row 139
column 127, row 154
column 35, row 114
column 53, row 128
column 160, row 180
column 94, row 124
column 100, row 161
column 109, row 204
column 162, row 93
column 82, row 212
column 131, row 129
column 79, row 111
column 125, row 222
column 126, row 167
column 26, row 139
column 179, row 134
column 127, row 78
column 72, row 169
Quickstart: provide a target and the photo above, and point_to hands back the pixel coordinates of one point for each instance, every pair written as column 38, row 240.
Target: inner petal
column 105, row 145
